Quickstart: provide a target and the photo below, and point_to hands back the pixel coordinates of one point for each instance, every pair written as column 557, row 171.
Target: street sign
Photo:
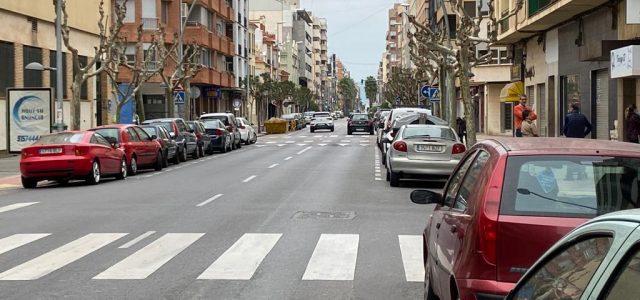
column 237, row 103
column 434, row 94
column 398, row 100
column 178, row 97
column 424, row 91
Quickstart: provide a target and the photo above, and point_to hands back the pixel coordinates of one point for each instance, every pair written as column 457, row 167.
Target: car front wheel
column 123, row 169
column 159, row 162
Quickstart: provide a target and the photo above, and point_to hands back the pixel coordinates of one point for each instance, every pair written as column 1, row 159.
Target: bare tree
column 108, row 35
column 439, row 51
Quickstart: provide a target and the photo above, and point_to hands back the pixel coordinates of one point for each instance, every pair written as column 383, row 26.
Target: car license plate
column 430, row 148
column 51, row 151
column 359, row 129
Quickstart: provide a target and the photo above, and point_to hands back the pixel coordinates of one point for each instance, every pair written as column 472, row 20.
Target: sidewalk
column 10, row 172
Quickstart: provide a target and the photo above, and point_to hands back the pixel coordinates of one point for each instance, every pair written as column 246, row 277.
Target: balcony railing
column 538, row 5
column 149, row 23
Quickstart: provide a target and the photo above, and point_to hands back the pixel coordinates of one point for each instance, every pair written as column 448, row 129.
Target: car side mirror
column 191, row 131
column 153, row 137
column 172, row 134
column 425, row 197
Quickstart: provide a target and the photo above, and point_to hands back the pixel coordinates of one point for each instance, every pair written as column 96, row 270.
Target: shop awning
column 512, row 92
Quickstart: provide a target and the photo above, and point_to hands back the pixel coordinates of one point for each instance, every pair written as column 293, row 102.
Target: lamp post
column 36, row 66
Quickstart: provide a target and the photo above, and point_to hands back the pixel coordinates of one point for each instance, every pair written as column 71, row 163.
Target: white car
column 321, row 122
column 248, row 135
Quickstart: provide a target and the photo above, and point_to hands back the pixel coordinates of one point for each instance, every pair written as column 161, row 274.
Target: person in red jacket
column 517, row 114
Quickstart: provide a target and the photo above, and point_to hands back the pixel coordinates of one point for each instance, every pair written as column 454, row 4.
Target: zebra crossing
column 315, row 140
column 334, row 258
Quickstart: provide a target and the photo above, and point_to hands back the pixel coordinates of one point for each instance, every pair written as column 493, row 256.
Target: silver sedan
column 429, row 152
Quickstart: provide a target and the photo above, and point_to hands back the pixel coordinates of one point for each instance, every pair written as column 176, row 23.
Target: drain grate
column 340, row 215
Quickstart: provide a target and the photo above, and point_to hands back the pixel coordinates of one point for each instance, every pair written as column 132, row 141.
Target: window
column 182, row 127
column 538, row 5
column 53, row 74
column 141, row 133
column 456, row 179
column 109, row 133
column 133, row 136
column 506, row 111
column 60, row 138
column 98, row 139
column 84, row 92
column 32, row 78
column 130, row 6
column 570, row 186
column 452, row 26
column 220, row 27
column 130, row 53
column 470, row 8
column 165, row 12
column 470, row 180
column 567, row 273
column 7, row 61
column 624, row 283
column 151, row 131
column 494, row 56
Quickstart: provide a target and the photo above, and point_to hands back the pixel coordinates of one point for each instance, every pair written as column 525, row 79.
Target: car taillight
column 459, row 148
column 400, row 146
column 219, row 132
column 79, row 151
column 488, row 220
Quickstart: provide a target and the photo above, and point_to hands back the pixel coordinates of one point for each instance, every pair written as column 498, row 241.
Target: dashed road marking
column 288, row 158
column 210, row 200
column 273, row 166
column 16, row 206
column 249, row 178
column 303, row 150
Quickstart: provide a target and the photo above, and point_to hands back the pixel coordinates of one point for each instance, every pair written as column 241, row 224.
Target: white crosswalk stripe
column 411, row 250
column 11, row 242
column 150, row 258
column 243, row 258
column 16, row 206
column 60, row 257
column 334, row 258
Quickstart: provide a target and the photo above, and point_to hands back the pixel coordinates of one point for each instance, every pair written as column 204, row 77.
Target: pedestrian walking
column 576, row 124
column 461, row 125
column 529, row 128
column 632, row 124
column 517, row 113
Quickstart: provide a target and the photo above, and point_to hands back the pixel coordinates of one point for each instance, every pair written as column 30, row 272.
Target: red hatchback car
column 509, row 200
column 71, row 155
column 141, row 149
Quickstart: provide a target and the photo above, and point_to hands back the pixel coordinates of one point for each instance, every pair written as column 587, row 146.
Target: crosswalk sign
column 434, row 94
column 178, row 97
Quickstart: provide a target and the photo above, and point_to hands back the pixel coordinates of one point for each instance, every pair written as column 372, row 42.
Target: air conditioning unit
column 184, row 10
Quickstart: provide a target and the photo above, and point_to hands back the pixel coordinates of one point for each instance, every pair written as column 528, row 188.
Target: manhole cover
column 342, row 215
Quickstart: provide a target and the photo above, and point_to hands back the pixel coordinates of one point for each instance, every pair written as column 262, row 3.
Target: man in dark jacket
column 576, row 124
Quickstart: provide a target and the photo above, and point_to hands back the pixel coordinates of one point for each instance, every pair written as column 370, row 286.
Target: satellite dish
column 195, row 92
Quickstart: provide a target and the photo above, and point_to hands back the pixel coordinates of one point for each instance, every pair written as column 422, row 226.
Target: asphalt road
column 300, row 216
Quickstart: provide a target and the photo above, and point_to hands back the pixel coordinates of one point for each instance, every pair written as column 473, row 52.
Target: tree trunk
column 187, row 100
column 168, row 95
column 444, row 107
column 465, row 91
column 140, row 107
column 452, row 102
column 74, row 105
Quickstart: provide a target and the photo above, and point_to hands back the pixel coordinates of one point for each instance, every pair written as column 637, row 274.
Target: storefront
column 625, row 68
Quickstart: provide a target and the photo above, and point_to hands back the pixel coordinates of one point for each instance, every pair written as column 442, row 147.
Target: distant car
column 248, row 135
column 598, row 260
column 423, row 152
column 221, row 138
column 509, row 200
column 179, row 130
column 321, row 114
column 204, row 140
column 168, row 144
column 360, row 123
column 308, row 116
column 379, row 127
column 322, row 122
column 142, row 151
column 71, row 155
column 338, row 114
column 229, row 121
column 291, row 118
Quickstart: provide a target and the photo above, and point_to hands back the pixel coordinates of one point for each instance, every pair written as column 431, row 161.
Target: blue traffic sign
column 178, row 97
column 424, row 91
column 434, row 94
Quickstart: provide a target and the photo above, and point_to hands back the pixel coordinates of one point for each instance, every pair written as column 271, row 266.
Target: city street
column 299, row 216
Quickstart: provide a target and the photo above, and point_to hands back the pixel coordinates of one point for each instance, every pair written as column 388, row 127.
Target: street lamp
column 36, row 66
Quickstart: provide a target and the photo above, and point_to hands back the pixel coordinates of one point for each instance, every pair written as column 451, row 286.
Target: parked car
column 428, row 152
column 380, row 128
column 168, row 144
column 360, row 123
column 229, row 121
column 141, row 150
column 291, row 120
column 338, row 114
column 221, row 138
column 180, row 132
column 405, row 118
column 308, row 116
column 598, row 260
column 248, row 135
column 321, row 122
column 204, row 140
column 509, row 200
column 71, row 155
column 301, row 121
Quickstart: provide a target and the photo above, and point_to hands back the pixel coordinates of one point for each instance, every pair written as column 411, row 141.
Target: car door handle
column 437, row 225
column 454, row 228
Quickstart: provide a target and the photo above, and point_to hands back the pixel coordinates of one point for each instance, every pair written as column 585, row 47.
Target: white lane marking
column 342, row 145
column 260, row 146
column 249, row 178
column 271, row 142
column 16, row 206
column 327, row 141
column 290, row 142
column 345, row 141
column 302, row 136
column 147, row 260
column 243, row 258
column 280, row 145
column 303, row 150
column 288, row 158
column 205, row 202
column 334, row 258
column 308, row 141
column 411, row 250
column 334, row 136
column 378, row 179
column 364, row 145
column 136, row 240
column 301, row 145
column 60, row 257
column 322, row 145
column 14, row 241
column 273, row 166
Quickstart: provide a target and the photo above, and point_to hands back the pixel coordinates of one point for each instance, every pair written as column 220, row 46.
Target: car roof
column 113, row 126
column 426, row 125
column 217, row 114
column 564, row 145
column 162, row 120
column 629, row 215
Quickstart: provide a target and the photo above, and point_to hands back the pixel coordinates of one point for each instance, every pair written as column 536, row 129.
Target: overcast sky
column 357, row 31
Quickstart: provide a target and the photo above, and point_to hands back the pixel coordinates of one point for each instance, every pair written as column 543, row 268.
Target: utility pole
column 59, row 79
column 187, row 83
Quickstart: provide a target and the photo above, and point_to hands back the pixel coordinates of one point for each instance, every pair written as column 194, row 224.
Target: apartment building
column 28, row 35
column 562, row 54
column 395, row 36
column 303, row 38
column 240, row 37
column 210, row 25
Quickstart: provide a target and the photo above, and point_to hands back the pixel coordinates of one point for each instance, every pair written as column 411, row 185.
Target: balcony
column 540, row 15
column 150, row 23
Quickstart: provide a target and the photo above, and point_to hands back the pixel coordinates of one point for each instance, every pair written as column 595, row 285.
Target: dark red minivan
column 509, row 200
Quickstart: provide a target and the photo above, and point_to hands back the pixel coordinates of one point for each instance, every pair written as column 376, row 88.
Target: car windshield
column 223, row 119
column 360, row 117
column 109, row 133
column 60, row 138
column 212, row 124
column 428, row 132
column 151, row 131
column 570, row 186
column 323, row 119
column 191, row 126
column 167, row 125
